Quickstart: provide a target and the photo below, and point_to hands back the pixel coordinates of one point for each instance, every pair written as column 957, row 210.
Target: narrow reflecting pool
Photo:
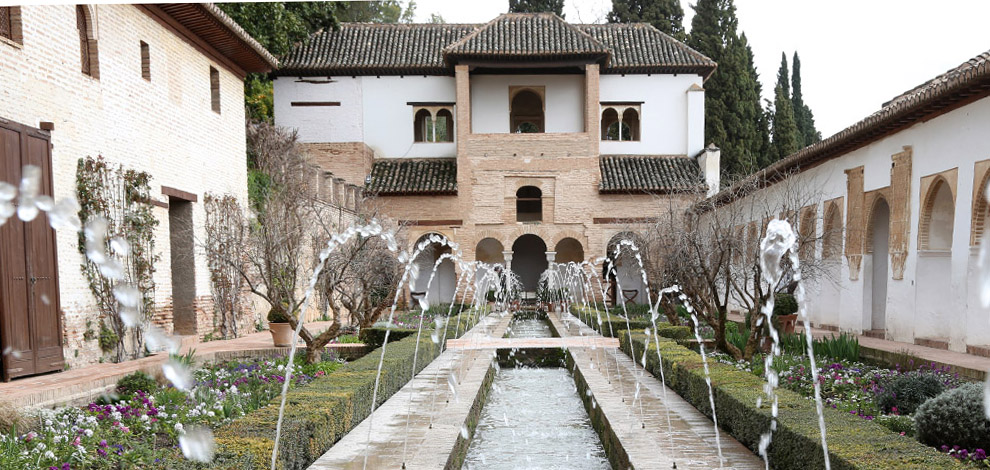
column 534, row 419
column 529, row 326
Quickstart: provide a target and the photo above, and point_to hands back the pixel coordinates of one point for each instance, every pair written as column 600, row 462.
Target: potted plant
column 785, row 309
column 278, row 324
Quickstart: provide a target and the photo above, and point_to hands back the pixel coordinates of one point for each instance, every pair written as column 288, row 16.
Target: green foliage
column 259, row 184
column 955, row 417
column 844, row 347
column 537, row 6
column 734, row 336
column 665, row 15
column 853, row 442
column 897, row 423
column 802, row 113
column 904, row 394
column 374, row 337
column 320, row 414
column 108, row 339
column 784, row 304
column 277, row 316
column 132, row 383
column 734, row 117
column 785, row 133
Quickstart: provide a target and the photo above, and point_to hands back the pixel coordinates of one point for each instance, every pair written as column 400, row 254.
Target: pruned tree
column 712, row 252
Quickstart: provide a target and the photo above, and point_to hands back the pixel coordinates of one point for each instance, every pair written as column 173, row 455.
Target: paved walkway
column 83, row 384
column 969, row 365
column 419, row 426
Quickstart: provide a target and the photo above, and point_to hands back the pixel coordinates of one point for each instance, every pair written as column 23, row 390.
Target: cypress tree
column 802, row 113
column 665, row 15
column 783, row 76
column 734, row 118
column 537, row 6
column 786, row 139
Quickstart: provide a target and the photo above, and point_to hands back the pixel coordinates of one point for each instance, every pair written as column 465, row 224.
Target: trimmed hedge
column 590, row 317
column 374, row 337
column 853, row 443
column 320, row 413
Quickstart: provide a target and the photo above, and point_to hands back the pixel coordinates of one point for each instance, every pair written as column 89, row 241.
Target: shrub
column 904, row 394
column 897, row 423
column 374, row 337
column 11, row 419
column 784, row 304
column 131, row 383
column 955, row 417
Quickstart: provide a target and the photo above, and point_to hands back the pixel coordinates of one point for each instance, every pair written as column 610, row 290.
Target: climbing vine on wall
column 226, row 230
column 120, row 198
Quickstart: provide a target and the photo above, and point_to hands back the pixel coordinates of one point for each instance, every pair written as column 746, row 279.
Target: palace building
column 525, row 140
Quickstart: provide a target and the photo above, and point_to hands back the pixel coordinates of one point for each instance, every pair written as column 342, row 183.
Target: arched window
column 529, row 204
column 433, row 125
column 630, row 117
column 569, row 250
column 526, row 113
column 938, row 217
column 444, row 126
column 87, row 42
column 622, row 127
column 806, row 230
column 423, row 126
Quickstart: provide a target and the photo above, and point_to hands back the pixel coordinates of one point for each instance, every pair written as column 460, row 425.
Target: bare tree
column 712, row 252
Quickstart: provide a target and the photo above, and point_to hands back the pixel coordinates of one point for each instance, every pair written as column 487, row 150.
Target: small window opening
column 526, row 114
column 529, row 204
column 215, row 89
column 145, row 61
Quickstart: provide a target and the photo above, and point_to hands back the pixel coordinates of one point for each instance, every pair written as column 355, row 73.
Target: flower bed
column 854, row 443
column 142, row 428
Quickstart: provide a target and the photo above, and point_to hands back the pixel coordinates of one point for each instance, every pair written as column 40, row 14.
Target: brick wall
column 164, row 126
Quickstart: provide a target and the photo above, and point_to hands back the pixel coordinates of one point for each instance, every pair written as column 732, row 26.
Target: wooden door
column 30, row 326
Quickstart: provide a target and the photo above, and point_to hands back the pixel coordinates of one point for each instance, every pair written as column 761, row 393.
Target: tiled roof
column 398, row 177
column 420, row 49
column 527, row 36
column 947, row 91
column 634, row 173
column 214, row 27
column 641, row 48
column 375, row 49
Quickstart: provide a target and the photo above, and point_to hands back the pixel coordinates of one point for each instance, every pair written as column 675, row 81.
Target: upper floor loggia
column 521, row 82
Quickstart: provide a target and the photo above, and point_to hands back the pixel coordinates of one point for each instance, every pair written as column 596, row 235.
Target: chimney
column 709, row 160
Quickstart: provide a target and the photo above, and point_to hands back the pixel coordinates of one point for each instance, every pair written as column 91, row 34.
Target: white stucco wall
column 938, row 296
column 563, row 108
column 164, row 126
column 668, row 124
column 373, row 110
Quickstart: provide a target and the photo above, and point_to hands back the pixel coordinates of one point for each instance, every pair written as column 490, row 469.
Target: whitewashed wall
column 668, row 124
column 563, row 109
column 938, row 296
column 373, row 110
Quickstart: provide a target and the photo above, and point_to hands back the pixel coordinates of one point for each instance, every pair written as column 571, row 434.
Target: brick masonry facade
column 164, row 126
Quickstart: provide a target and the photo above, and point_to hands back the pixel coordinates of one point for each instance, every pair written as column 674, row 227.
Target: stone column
column 551, row 256
column 508, row 260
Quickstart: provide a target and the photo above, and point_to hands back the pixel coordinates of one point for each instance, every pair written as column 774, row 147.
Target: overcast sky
column 855, row 54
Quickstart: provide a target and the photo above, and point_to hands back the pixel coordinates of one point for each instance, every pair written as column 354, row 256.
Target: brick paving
column 81, row 385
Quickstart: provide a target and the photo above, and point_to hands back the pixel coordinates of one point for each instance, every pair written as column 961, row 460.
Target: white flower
column 211, row 414
column 50, row 455
column 40, row 446
column 88, row 432
column 144, row 418
column 178, row 427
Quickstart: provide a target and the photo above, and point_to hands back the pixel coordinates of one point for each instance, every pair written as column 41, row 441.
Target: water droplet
column 44, row 202
column 45, row 299
column 112, row 269
column 156, row 339
column 27, row 211
column 197, row 444
column 423, row 304
column 178, row 374
column 65, row 215
column 7, row 191
column 120, row 246
column 130, row 317
column 464, row 432
column 128, row 295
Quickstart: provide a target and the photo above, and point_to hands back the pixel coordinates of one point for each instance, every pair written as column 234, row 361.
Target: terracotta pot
column 787, row 323
column 281, row 334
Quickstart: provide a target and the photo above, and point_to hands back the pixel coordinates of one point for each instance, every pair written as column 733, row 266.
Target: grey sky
column 855, row 54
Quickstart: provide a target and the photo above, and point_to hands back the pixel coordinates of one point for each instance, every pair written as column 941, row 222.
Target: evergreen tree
column 537, row 6
column 802, row 113
column 734, row 118
column 786, row 139
column 783, row 76
column 665, row 15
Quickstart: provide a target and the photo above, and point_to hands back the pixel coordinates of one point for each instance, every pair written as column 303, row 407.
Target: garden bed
column 854, row 443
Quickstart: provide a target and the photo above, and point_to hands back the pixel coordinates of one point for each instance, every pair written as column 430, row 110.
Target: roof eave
column 222, row 33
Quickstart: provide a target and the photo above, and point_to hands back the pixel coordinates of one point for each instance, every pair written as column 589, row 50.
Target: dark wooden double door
column 30, row 325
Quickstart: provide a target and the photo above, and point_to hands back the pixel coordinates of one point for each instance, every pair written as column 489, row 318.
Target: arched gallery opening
column 529, row 260
column 489, row 252
column 877, row 267
column 622, row 271
column 933, row 318
column 441, row 290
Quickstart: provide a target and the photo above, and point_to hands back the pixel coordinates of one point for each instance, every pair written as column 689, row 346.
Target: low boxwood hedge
column 321, row 413
column 617, row 323
column 853, row 443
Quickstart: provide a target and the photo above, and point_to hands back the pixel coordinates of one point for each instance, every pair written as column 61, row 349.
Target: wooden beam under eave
column 191, row 38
